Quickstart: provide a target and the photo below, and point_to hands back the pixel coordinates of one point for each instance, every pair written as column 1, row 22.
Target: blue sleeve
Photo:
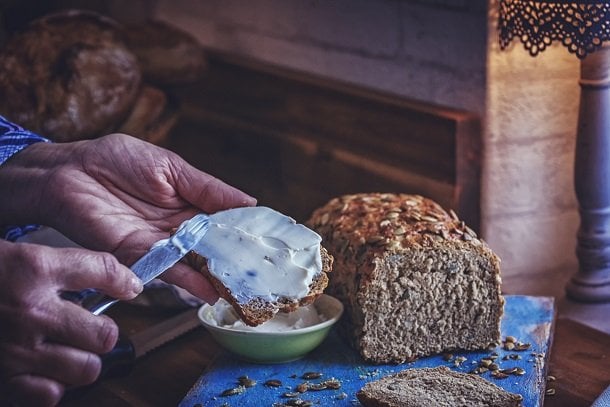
column 13, row 139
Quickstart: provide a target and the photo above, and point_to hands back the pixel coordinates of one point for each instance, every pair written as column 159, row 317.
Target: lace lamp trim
column 581, row 26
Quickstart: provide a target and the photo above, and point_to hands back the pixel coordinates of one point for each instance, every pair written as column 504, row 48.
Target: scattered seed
column 509, row 346
column 499, row 375
column 233, row 392
column 486, row 362
column 493, row 367
column 317, row 387
column 290, row 395
column 302, row 388
column 522, row 346
column 246, row 381
column 510, row 370
column 520, row 371
column 311, row 375
column 447, row 357
column 299, row 403
column 341, row 396
column 332, row 384
column 550, row 392
column 551, row 378
column 273, row 383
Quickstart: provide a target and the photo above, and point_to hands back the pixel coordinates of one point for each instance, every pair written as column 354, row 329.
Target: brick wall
column 444, row 52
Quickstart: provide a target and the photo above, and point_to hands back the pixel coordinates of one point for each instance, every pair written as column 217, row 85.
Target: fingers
column 205, row 191
column 81, row 329
column 192, row 281
column 67, row 365
column 88, row 269
column 28, row 390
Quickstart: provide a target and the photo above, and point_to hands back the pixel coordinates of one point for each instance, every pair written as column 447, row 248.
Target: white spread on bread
column 223, row 315
column 257, row 252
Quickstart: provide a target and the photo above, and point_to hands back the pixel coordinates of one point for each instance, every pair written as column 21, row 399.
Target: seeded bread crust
column 414, row 279
column 440, row 387
column 257, row 310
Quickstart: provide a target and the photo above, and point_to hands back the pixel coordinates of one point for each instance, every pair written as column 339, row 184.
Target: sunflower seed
column 246, row 381
column 233, row 392
column 273, row 383
column 311, row 375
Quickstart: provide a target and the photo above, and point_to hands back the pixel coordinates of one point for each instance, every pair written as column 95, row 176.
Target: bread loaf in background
column 439, row 387
column 68, row 76
column 414, row 279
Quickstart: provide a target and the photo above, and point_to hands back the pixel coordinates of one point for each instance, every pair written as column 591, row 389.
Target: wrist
column 23, row 179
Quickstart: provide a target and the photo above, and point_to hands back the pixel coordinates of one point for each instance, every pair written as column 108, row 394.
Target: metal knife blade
column 166, row 253
column 163, row 255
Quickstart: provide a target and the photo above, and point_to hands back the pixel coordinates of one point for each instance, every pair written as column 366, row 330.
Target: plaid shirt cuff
column 13, row 139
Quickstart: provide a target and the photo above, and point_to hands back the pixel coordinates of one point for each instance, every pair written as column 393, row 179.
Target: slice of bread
column 257, row 310
column 439, row 387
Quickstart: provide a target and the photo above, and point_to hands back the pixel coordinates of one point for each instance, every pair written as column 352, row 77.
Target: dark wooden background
column 294, row 140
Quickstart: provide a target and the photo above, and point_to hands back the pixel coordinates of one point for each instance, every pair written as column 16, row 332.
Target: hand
column 46, row 343
column 116, row 194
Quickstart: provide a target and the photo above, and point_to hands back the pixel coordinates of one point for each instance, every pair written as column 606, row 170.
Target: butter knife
column 162, row 255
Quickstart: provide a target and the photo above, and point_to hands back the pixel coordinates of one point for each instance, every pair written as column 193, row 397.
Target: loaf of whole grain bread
column 439, row 387
column 414, row 279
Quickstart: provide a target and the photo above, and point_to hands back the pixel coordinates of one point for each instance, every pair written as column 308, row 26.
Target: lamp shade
column 581, row 26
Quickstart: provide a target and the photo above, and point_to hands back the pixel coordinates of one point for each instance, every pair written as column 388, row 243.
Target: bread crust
column 257, row 310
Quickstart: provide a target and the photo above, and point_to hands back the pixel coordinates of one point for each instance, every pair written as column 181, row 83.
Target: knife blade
column 120, row 360
column 161, row 256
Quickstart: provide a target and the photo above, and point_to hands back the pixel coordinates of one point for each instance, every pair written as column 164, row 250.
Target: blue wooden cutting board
column 529, row 319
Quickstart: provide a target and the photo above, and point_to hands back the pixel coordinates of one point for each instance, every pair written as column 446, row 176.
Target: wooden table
column 580, row 361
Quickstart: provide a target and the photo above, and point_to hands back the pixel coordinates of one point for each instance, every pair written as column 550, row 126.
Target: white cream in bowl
column 223, row 315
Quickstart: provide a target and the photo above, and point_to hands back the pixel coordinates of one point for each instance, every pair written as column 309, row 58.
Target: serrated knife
column 119, row 361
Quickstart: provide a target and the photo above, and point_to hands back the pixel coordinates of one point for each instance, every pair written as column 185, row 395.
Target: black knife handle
column 119, row 361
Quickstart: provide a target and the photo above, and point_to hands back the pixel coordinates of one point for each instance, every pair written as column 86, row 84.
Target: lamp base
column 592, row 181
column 587, row 288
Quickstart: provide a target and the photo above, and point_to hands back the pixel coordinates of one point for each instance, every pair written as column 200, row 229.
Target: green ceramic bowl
column 274, row 347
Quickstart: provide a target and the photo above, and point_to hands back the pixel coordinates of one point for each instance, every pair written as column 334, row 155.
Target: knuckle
column 89, row 369
column 110, row 265
column 108, row 333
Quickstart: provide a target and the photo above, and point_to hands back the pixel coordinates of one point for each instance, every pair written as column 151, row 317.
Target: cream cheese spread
column 224, row 316
column 257, row 252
